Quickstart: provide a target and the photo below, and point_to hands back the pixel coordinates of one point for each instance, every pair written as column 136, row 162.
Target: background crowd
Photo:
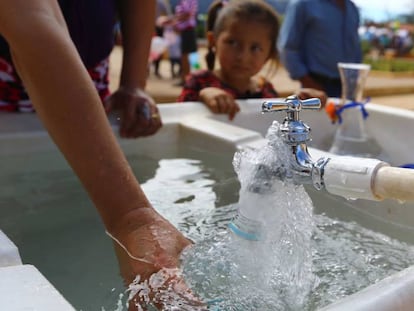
column 387, row 39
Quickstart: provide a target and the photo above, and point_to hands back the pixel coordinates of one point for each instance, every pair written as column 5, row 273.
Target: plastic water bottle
column 247, row 223
column 246, row 228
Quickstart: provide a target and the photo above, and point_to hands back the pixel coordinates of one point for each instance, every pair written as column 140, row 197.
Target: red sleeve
column 190, row 91
column 269, row 91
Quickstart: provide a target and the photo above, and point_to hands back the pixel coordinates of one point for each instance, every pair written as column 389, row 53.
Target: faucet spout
column 302, row 162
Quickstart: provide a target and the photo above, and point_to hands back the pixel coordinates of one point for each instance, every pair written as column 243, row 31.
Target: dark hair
column 220, row 12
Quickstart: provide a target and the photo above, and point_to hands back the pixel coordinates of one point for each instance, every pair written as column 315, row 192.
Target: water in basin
column 47, row 214
column 300, row 261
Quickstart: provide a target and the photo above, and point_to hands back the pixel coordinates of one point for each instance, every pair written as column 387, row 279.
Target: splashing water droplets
column 275, row 254
column 264, row 262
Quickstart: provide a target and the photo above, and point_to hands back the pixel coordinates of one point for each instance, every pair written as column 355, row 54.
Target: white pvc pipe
column 370, row 179
column 351, row 177
column 394, row 183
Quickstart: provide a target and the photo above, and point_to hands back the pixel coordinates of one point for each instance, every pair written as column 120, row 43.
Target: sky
column 383, row 9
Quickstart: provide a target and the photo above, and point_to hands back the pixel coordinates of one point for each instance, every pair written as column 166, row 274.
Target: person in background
column 185, row 22
column 91, row 26
column 66, row 101
column 174, row 50
column 314, row 37
column 162, row 12
column 242, row 35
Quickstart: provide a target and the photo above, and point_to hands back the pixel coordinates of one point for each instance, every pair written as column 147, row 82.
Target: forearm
column 306, row 80
column 137, row 22
column 67, row 103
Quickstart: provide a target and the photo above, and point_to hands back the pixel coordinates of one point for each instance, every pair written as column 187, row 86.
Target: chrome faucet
column 296, row 134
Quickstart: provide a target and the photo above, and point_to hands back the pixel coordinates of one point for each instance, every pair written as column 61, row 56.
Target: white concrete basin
column 192, row 123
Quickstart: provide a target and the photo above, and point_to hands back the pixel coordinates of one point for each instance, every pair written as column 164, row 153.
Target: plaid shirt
column 201, row 79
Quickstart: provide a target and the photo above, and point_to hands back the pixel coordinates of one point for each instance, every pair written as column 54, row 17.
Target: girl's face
column 242, row 49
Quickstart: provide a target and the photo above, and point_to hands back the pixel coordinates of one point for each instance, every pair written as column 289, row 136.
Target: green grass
column 392, row 65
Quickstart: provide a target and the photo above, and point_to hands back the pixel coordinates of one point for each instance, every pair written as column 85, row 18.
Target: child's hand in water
column 306, row 93
column 219, row 101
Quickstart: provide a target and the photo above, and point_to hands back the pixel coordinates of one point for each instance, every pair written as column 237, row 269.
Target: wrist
column 126, row 230
column 138, row 80
column 305, row 78
column 132, row 220
column 133, row 91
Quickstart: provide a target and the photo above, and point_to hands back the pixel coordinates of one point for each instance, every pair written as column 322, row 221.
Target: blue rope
column 353, row 105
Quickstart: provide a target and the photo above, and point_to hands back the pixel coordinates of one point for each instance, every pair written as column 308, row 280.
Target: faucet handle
column 292, row 103
column 311, row 104
column 271, row 106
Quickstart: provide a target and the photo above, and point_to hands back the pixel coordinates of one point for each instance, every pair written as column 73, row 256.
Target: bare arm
column 137, row 22
column 68, row 104
column 308, row 82
column 139, row 113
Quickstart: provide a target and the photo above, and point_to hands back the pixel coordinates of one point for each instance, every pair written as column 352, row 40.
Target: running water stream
column 272, row 270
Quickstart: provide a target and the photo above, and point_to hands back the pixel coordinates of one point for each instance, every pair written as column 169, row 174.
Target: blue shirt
column 316, row 35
